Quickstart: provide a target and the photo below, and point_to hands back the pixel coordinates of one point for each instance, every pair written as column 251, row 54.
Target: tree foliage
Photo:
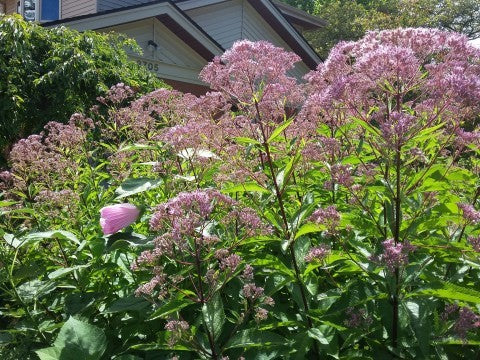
column 48, row 74
column 349, row 20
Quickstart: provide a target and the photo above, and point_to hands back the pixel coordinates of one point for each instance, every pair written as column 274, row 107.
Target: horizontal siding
column 170, row 50
column 71, row 8
column 11, row 7
column 223, row 21
column 115, row 4
column 256, row 28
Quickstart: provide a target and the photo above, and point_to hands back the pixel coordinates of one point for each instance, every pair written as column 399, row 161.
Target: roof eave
column 164, row 10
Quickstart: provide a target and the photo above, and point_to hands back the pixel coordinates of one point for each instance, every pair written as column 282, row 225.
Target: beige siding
column 173, row 58
column 71, row 8
column 222, row 21
column 11, row 7
column 233, row 20
column 104, row 5
column 256, row 28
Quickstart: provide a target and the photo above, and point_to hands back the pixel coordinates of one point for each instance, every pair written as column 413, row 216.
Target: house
column 179, row 37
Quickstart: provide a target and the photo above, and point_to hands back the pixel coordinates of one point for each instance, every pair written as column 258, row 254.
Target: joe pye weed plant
column 336, row 218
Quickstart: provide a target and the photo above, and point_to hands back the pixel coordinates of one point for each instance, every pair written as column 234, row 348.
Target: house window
column 50, row 10
column 39, row 10
column 29, row 10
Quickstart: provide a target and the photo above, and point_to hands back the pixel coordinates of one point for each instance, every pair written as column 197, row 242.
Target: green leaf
column 425, row 133
column 170, row 307
column 420, row 319
column 55, row 234
column 63, row 271
column 78, row 302
column 7, row 203
column 77, row 340
column 279, row 130
column 309, row 228
column 155, row 346
column 35, row 289
column 50, row 353
column 320, row 336
column 124, row 240
column 130, row 303
column 247, row 141
column 135, row 186
column 370, row 129
column 11, row 240
column 90, row 339
column 255, row 338
column 457, row 341
column 214, row 316
column 246, row 187
column 5, row 338
column 449, row 291
column 272, row 262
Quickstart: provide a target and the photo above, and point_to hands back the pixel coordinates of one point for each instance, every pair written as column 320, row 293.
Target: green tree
column 306, row 5
column 461, row 16
column 48, row 74
column 349, row 20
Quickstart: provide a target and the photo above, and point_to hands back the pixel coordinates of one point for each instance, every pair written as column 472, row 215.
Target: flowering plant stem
column 397, row 240
column 203, row 300
column 287, row 234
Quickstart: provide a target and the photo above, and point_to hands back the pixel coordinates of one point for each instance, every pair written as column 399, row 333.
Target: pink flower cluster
column 117, row 95
column 317, row 253
column 395, row 255
column 469, row 213
column 186, row 223
column 329, row 217
column 357, row 318
column 341, row 175
column 48, row 159
column 177, row 328
column 475, row 242
column 435, row 74
column 466, row 320
column 246, row 75
column 255, row 295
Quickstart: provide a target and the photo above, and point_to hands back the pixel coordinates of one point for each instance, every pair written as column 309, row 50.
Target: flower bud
column 116, row 217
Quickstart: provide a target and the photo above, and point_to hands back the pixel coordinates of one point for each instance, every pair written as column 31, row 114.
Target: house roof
column 164, row 10
column 280, row 17
column 172, row 14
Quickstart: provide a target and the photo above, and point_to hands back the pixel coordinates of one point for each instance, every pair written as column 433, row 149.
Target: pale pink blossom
column 396, row 255
column 317, row 253
column 116, row 217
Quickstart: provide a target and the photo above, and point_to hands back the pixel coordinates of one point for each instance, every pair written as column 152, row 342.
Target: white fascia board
column 274, row 10
column 116, row 17
column 140, row 13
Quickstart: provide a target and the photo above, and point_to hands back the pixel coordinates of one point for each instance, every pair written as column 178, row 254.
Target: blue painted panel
column 49, row 10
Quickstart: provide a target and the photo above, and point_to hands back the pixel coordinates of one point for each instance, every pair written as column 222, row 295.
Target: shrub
column 337, row 218
column 48, row 74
